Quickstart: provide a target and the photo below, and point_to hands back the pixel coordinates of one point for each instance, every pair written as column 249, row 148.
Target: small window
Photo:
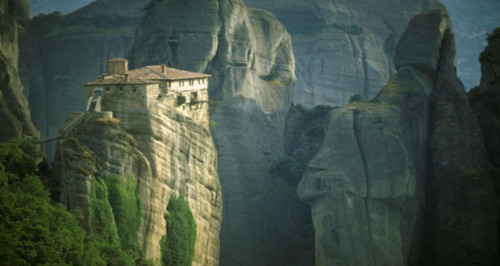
column 134, row 89
column 181, row 83
column 107, row 88
column 191, row 82
column 120, row 88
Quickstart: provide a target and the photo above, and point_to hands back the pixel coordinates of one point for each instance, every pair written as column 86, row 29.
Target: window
column 191, row 82
column 120, row 87
column 181, row 83
column 107, row 88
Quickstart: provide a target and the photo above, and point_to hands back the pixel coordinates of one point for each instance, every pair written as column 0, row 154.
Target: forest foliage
column 35, row 230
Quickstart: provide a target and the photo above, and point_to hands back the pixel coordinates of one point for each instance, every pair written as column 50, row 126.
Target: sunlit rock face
column 166, row 152
column 15, row 120
column 183, row 159
column 249, row 54
column 59, row 53
column 403, row 179
column 343, row 47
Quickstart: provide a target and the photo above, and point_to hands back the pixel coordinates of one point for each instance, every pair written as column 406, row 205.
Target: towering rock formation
column 249, row 54
column 485, row 100
column 166, row 152
column 471, row 21
column 403, row 178
column 59, row 53
column 343, row 47
column 15, row 118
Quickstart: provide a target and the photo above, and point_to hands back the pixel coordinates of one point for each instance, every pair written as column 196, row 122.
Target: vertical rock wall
column 343, row 47
column 15, row 120
column 249, row 54
column 167, row 152
column 403, row 178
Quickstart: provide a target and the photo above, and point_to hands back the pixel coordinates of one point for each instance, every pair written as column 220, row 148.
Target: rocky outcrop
column 92, row 145
column 49, row 6
column 402, row 179
column 167, row 152
column 471, row 21
column 15, row 120
column 485, row 100
column 59, row 53
column 343, row 48
column 248, row 52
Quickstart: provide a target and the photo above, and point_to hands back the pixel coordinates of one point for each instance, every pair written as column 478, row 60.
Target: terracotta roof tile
column 146, row 75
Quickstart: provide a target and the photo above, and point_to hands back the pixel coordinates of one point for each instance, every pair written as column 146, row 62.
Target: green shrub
column 32, row 230
column 212, row 123
column 125, row 201
column 355, row 98
column 177, row 247
column 288, row 168
column 103, row 238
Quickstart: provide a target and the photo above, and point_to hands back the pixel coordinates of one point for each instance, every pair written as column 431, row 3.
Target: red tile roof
column 147, row 75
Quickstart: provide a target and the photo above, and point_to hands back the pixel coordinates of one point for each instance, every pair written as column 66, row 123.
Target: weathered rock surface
column 15, row 120
column 183, row 159
column 168, row 154
column 59, row 53
column 96, row 144
column 343, row 47
column 402, row 179
column 485, row 100
column 248, row 52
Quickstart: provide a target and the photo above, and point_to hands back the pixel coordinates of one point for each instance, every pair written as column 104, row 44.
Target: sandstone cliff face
column 15, row 120
column 60, row 53
column 403, row 176
column 341, row 47
column 248, row 52
column 168, row 154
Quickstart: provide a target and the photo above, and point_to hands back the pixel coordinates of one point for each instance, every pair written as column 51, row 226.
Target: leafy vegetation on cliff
column 125, row 201
column 288, row 168
column 177, row 247
column 34, row 230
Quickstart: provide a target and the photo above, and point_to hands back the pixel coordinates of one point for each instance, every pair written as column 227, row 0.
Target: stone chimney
column 118, row 66
column 164, row 69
